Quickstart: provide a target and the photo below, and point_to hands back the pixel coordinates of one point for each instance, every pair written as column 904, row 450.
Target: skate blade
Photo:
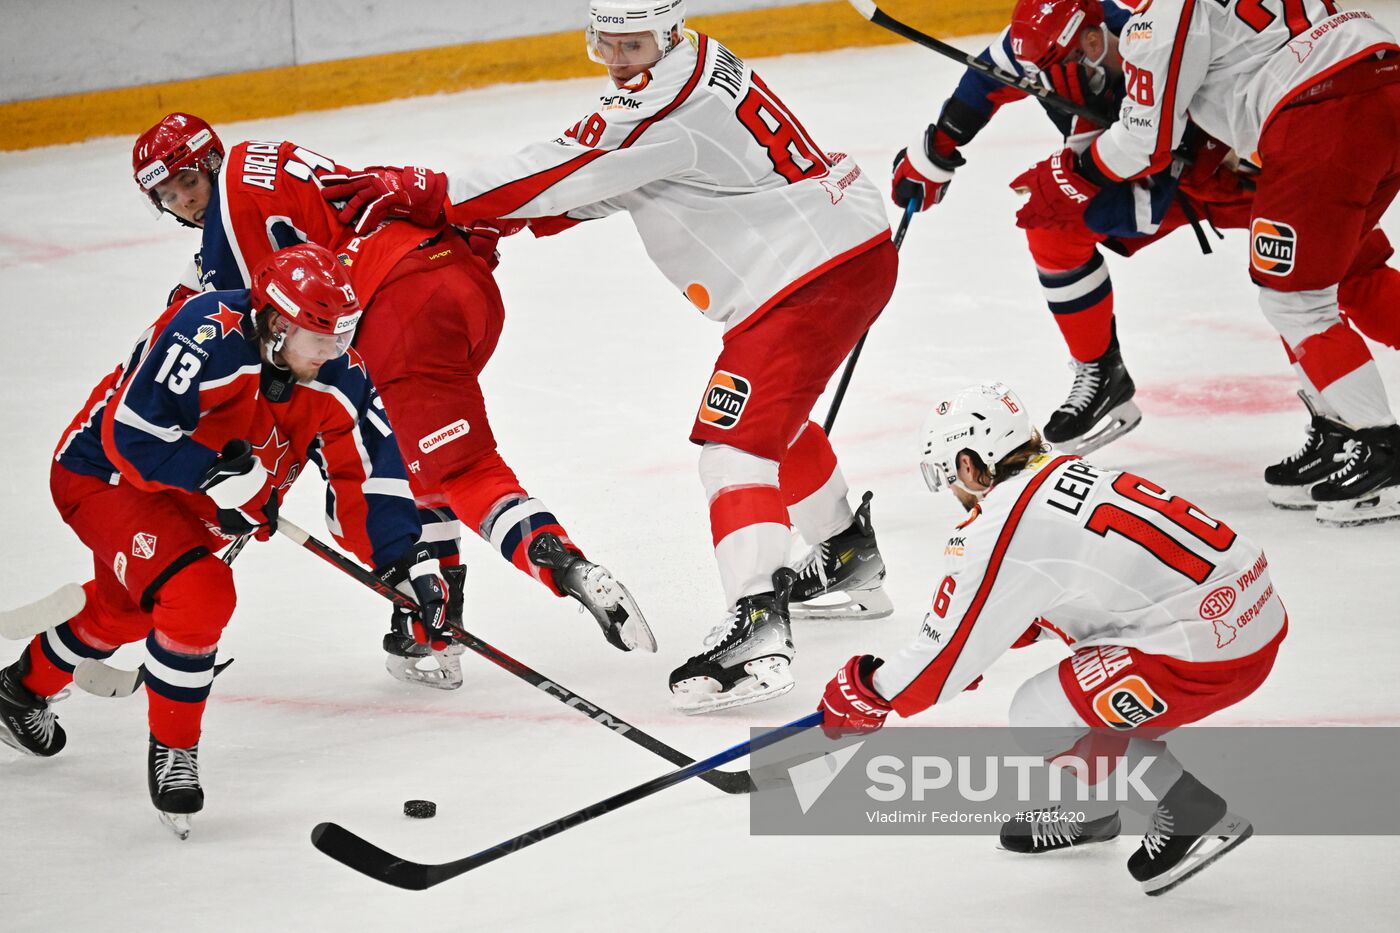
column 1224, row 836
column 635, row 632
column 768, row 679
column 1110, row 427
column 408, row 671
column 177, row 823
column 1383, row 505
column 1292, row 498
column 845, row 604
column 13, row 742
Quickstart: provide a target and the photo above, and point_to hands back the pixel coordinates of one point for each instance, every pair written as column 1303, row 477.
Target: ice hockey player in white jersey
column 784, row 243
column 1312, row 94
column 1169, row 614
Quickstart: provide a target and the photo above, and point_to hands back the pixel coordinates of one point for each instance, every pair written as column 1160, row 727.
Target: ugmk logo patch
column 724, row 400
column 1273, row 247
column 1128, row 703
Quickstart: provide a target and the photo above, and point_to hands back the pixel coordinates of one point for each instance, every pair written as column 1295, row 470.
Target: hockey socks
column 748, row 520
column 54, row 655
column 813, row 488
column 178, row 680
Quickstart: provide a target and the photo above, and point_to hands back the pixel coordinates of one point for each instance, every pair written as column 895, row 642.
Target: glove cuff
column 935, row 169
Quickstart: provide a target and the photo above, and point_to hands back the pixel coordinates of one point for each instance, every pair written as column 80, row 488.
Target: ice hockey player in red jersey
column 784, row 243
column 433, row 316
column 1122, row 570
column 188, row 445
column 1313, row 87
column 1073, row 47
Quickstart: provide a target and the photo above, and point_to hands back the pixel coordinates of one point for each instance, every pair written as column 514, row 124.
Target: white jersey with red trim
column 1229, row 64
column 733, row 200
column 1100, row 557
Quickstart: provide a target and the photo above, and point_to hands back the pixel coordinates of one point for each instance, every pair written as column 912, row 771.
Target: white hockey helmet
column 988, row 420
column 658, row 17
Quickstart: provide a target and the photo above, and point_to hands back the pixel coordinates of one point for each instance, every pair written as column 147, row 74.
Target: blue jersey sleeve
column 369, row 507
column 158, row 404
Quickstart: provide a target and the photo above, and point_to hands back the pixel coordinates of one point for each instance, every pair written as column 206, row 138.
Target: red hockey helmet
column 1045, row 32
column 311, row 293
column 178, row 141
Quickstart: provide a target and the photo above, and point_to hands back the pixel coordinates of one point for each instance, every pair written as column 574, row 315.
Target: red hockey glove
column 237, row 482
column 483, row 235
column 925, row 170
column 1059, row 194
column 1083, row 84
column 418, row 574
column 850, row 703
column 380, row 193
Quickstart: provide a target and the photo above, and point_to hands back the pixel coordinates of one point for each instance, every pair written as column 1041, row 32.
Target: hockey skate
column 173, row 777
column 1036, row 831
column 1367, row 487
column 1190, row 829
column 405, row 657
column 26, row 721
column 747, row 659
column 841, row 577
column 1100, row 407
column 1290, row 481
column 597, row 591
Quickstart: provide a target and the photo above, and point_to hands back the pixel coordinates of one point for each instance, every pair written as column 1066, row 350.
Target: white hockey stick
column 56, row 608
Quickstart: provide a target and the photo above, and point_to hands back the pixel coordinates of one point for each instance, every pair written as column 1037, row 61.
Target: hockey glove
column 1082, row 84
column 381, row 193
column 1059, row 194
column 483, row 235
column 923, row 171
column 236, row 482
column 417, row 574
column 850, row 703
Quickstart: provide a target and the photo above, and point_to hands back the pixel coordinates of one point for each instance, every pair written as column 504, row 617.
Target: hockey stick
column 731, row 782
column 365, row 857
column 879, row 17
column 910, row 210
column 25, row 622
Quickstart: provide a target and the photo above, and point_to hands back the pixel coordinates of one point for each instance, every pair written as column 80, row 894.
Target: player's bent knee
column 1040, row 703
column 722, row 465
column 194, row 599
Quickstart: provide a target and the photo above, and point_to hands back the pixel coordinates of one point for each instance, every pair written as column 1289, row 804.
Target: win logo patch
column 1273, row 247
column 1128, row 703
column 724, row 400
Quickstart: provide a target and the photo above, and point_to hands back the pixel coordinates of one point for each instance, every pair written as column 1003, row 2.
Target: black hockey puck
column 420, row 809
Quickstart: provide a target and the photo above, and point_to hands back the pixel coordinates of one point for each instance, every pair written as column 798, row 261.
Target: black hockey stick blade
column 736, row 782
column 367, row 858
column 879, row 17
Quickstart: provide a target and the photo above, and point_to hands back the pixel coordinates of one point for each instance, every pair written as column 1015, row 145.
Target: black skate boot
column 1367, row 487
column 26, row 722
column 597, row 591
column 1035, row 831
column 1100, row 406
column 748, row 658
column 1191, row 828
column 173, row 777
column 1290, row 481
column 405, row 656
column 841, row 577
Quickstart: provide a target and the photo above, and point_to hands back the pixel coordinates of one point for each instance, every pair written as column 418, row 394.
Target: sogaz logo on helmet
column 152, row 175
column 611, row 20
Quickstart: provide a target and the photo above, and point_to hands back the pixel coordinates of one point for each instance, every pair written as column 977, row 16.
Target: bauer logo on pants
column 1273, row 247
column 724, row 400
column 1128, row 703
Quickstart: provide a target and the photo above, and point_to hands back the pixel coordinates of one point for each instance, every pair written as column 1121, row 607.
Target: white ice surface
column 592, row 391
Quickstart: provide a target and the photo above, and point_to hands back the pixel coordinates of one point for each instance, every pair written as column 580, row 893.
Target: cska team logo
column 1273, row 247
column 724, row 400
column 1128, row 703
